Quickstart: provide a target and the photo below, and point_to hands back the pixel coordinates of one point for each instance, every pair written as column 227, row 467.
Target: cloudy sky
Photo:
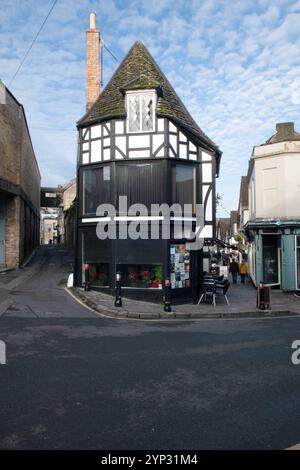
column 235, row 64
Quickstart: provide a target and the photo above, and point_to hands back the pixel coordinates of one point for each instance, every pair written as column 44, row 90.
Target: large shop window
column 180, row 266
column 141, row 275
column 96, row 188
column 298, row 262
column 96, row 254
column 99, row 274
column 183, row 182
column 142, row 183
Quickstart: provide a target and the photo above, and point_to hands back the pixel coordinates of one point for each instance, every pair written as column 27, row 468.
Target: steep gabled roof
column 140, row 71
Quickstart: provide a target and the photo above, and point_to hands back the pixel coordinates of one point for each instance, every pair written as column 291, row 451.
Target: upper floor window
column 140, row 107
column 184, row 185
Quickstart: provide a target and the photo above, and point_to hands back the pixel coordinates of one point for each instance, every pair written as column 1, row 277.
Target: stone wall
column 19, row 181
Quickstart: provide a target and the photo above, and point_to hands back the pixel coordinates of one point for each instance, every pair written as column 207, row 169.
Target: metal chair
column 223, row 287
column 209, row 289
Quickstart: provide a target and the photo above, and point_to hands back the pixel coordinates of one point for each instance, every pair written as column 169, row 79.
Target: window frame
column 140, row 93
column 85, row 170
column 194, row 182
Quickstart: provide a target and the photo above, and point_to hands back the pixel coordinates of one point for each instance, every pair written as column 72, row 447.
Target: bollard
column 167, row 296
column 118, row 299
column 87, row 284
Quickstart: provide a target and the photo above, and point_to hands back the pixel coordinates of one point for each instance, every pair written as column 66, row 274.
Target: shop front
column 274, row 255
column 144, row 265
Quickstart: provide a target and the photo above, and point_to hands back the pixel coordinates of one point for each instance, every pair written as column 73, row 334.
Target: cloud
column 236, row 69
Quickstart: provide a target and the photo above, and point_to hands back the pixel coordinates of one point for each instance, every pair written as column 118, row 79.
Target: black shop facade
column 139, row 141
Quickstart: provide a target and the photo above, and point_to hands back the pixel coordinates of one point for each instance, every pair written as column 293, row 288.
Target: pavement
column 242, row 299
column 77, row 380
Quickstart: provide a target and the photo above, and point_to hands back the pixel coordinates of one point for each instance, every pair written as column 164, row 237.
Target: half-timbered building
column 138, row 140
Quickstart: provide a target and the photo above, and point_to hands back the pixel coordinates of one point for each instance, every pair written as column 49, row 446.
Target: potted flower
column 145, row 278
column 133, row 278
column 158, row 277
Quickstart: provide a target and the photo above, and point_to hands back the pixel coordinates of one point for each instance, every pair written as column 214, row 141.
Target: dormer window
column 140, row 106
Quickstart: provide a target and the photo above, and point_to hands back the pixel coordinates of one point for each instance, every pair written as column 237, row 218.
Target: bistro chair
column 222, row 288
column 212, row 287
column 208, row 289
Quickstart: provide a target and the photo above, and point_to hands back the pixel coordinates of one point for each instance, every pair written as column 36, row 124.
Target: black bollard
column 118, row 299
column 87, row 284
column 167, row 296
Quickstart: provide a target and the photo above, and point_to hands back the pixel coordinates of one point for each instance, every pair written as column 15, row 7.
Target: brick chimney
column 285, row 131
column 92, row 62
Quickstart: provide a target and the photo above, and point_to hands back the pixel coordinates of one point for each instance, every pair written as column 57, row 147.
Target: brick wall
column 92, row 66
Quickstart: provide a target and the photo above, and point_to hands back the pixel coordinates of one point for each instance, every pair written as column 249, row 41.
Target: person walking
column 234, row 269
column 243, row 271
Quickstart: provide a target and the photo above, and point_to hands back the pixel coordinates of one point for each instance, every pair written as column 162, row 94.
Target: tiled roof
column 139, row 71
column 223, row 227
column 244, row 192
column 233, row 217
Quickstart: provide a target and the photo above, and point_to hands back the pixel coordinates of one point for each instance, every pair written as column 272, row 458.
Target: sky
column 235, row 64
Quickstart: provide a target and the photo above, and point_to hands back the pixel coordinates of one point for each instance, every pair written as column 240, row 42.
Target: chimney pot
column 93, row 21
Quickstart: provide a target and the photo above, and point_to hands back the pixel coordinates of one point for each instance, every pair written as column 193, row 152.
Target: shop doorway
column 271, row 260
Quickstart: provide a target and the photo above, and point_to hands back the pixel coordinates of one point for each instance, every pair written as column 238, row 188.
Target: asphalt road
column 74, row 380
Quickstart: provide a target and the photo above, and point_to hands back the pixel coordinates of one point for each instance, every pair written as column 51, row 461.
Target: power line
column 32, row 43
column 109, row 51
column 221, row 205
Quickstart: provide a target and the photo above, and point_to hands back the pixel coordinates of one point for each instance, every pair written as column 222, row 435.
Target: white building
column 274, row 209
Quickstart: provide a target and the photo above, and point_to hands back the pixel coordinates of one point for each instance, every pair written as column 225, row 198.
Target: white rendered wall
column 277, row 182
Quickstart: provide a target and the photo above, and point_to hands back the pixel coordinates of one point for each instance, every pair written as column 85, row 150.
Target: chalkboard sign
column 263, row 297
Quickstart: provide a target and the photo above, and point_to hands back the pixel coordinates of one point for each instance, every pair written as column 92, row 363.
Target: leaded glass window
column 147, row 113
column 140, row 111
column 134, row 113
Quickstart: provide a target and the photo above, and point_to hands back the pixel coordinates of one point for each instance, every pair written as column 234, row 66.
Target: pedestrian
column 234, row 269
column 243, row 271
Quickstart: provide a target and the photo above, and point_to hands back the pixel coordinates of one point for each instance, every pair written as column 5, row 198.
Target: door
column 271, row 262
column 2, row 230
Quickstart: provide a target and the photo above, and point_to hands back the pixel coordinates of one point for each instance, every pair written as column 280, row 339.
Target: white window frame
column 148, row 93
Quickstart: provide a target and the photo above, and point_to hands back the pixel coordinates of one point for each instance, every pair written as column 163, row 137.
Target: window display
column 99, row 274
column 180, row 266
column 141, row 275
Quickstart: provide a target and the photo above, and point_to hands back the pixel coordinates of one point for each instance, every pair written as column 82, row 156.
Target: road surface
column 75, row 380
